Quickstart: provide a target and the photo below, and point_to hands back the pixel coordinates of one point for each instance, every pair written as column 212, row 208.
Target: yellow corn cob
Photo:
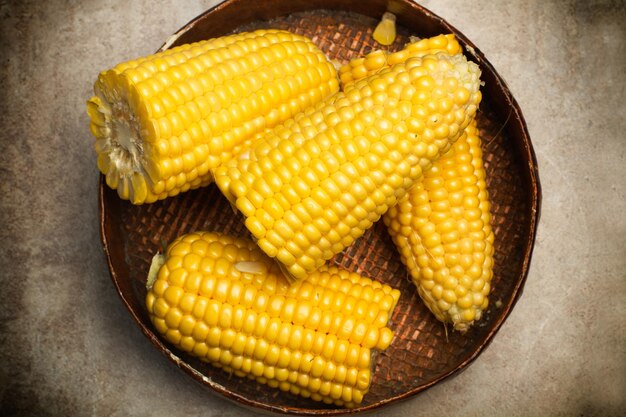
column 164, row 121
column 312, row 186
column 223, row 300
column 442, row 229
column 378, row 60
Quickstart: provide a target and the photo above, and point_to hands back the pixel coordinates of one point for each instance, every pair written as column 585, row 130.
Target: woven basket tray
column 422, row 352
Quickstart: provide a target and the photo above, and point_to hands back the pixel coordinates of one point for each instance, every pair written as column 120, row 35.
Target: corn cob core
column 378, row 60
column 312, row 186
column 223, row 300
column 162, row 122
column 442, row 229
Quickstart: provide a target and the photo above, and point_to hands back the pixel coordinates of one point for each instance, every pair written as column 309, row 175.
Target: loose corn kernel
column 385, row 31
column 162, row 122
column 393, row 147
column 240, row 313
column 448, row 246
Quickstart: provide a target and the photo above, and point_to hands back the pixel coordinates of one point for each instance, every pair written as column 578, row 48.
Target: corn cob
column 221, row 299
column 312, row 186
column 378, row 60
column 164, row 121
column 442, row 230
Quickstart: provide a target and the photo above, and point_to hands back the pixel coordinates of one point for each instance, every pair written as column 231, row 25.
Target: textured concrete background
column 68, row 346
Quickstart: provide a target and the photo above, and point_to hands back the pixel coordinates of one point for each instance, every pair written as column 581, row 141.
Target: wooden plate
column 422, row 353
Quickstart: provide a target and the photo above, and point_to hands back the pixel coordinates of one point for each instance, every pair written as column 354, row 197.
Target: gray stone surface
column 68, row 346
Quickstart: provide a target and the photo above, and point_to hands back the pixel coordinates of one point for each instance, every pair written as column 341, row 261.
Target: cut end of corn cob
column 378, row 60
column 221, row 299
column 312, row 186
column 162, row 122
column 442, row 230
column 385, row 31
